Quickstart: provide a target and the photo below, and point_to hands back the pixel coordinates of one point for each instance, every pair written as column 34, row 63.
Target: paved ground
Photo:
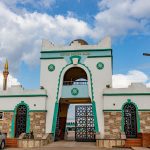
column 64, row 145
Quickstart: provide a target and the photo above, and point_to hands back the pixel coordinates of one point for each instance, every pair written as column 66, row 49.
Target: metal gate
column 84, row 123
column 130, row 122
column 21, row 118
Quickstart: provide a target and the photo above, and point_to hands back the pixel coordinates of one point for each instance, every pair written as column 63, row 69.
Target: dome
column 82, row 42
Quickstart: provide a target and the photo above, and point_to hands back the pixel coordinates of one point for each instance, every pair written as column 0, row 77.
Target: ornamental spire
column 5, row 74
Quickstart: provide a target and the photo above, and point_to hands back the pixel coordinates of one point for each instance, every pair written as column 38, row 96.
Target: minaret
column 5, row 74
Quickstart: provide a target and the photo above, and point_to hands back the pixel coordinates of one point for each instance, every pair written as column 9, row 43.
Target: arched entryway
column 130, row 120
column 74, row 91
column 21, row 120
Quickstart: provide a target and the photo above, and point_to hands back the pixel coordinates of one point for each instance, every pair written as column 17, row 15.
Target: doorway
column 21, row 120
column 130, row 120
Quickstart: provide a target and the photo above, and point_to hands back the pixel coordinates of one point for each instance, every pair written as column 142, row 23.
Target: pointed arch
column 14, row 119
column 137, row 115
column 58, row 95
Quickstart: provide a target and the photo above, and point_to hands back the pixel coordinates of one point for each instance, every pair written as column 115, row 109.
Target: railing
column 75, row 83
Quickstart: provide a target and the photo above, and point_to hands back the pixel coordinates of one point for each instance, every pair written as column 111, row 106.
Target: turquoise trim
column 29, row 110
column 38, row 111
column 124, row 94
column 58, row 88
column 95, row 116
column 119, row 110
column 144, row 110
column 80, row 50
column 66, row 55
column 111, row 110
column 7, row 110
column 32, row 95
column 52, row 58
column 71, row 58
column 14, row 118
column 55, row 118
column 137, row 114
column 98, row 56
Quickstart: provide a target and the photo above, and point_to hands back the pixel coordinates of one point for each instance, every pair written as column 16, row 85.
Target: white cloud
column 11, row 81
column 133, row 76
column 122, row 17
column 21, row 35
column 37, row 4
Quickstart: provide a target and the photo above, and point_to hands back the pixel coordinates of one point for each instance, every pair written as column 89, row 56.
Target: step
column 11, row 142
column 136, row 142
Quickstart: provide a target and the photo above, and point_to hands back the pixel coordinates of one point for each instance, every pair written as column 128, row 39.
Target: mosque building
column 78, row 73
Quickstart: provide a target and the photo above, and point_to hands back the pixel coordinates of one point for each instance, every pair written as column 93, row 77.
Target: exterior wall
column 138, row 93
column 112, row 125
column 38, row 123
column 100, row 80
column 49, row 80
column 145, row 121
column 34, row 103
column 116, row 102
column 96, row 78
column 5, row 124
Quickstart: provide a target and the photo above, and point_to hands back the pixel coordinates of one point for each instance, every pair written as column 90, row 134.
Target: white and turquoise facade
column 61, row 68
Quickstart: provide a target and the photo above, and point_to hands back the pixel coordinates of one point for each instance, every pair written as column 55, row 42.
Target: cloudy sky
column 24, row 23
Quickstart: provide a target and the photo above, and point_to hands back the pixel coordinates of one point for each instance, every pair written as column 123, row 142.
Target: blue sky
column 24, row 23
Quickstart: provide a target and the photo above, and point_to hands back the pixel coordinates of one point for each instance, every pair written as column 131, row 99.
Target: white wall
column 49, row 80
column 101, row 78
column 10, row 103
column 136, row 92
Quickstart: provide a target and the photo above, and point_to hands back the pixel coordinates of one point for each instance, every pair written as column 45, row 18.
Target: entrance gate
column 21, row 118
column 84, row 123
column 130, row 126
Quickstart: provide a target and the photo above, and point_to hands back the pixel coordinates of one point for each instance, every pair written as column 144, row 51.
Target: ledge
column 125, row 94
column 30, row 95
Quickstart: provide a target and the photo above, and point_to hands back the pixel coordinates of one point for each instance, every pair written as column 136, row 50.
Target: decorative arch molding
column 137, row 114
column 14, row 117
column 59, row 89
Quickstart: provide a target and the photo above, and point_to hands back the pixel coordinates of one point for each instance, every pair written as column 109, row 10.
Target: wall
column 38, row 123
column 97, row 81
column 145, row 121
column 100, row 79
column 5, row 124
column 138, row 93
column 112, row 123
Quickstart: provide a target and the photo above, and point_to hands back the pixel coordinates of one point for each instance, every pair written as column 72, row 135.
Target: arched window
column 75, row 75
column 130, row 120
column 21, row 120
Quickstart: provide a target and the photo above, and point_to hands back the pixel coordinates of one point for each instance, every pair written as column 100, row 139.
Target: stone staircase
column 11, row 142
column 137, row 142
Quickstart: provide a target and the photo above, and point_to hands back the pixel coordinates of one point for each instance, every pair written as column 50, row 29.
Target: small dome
column 82, row 42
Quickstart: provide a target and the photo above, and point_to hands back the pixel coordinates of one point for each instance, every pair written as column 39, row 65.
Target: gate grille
column 84, row 123
column 21, row 118
column 130, row 126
